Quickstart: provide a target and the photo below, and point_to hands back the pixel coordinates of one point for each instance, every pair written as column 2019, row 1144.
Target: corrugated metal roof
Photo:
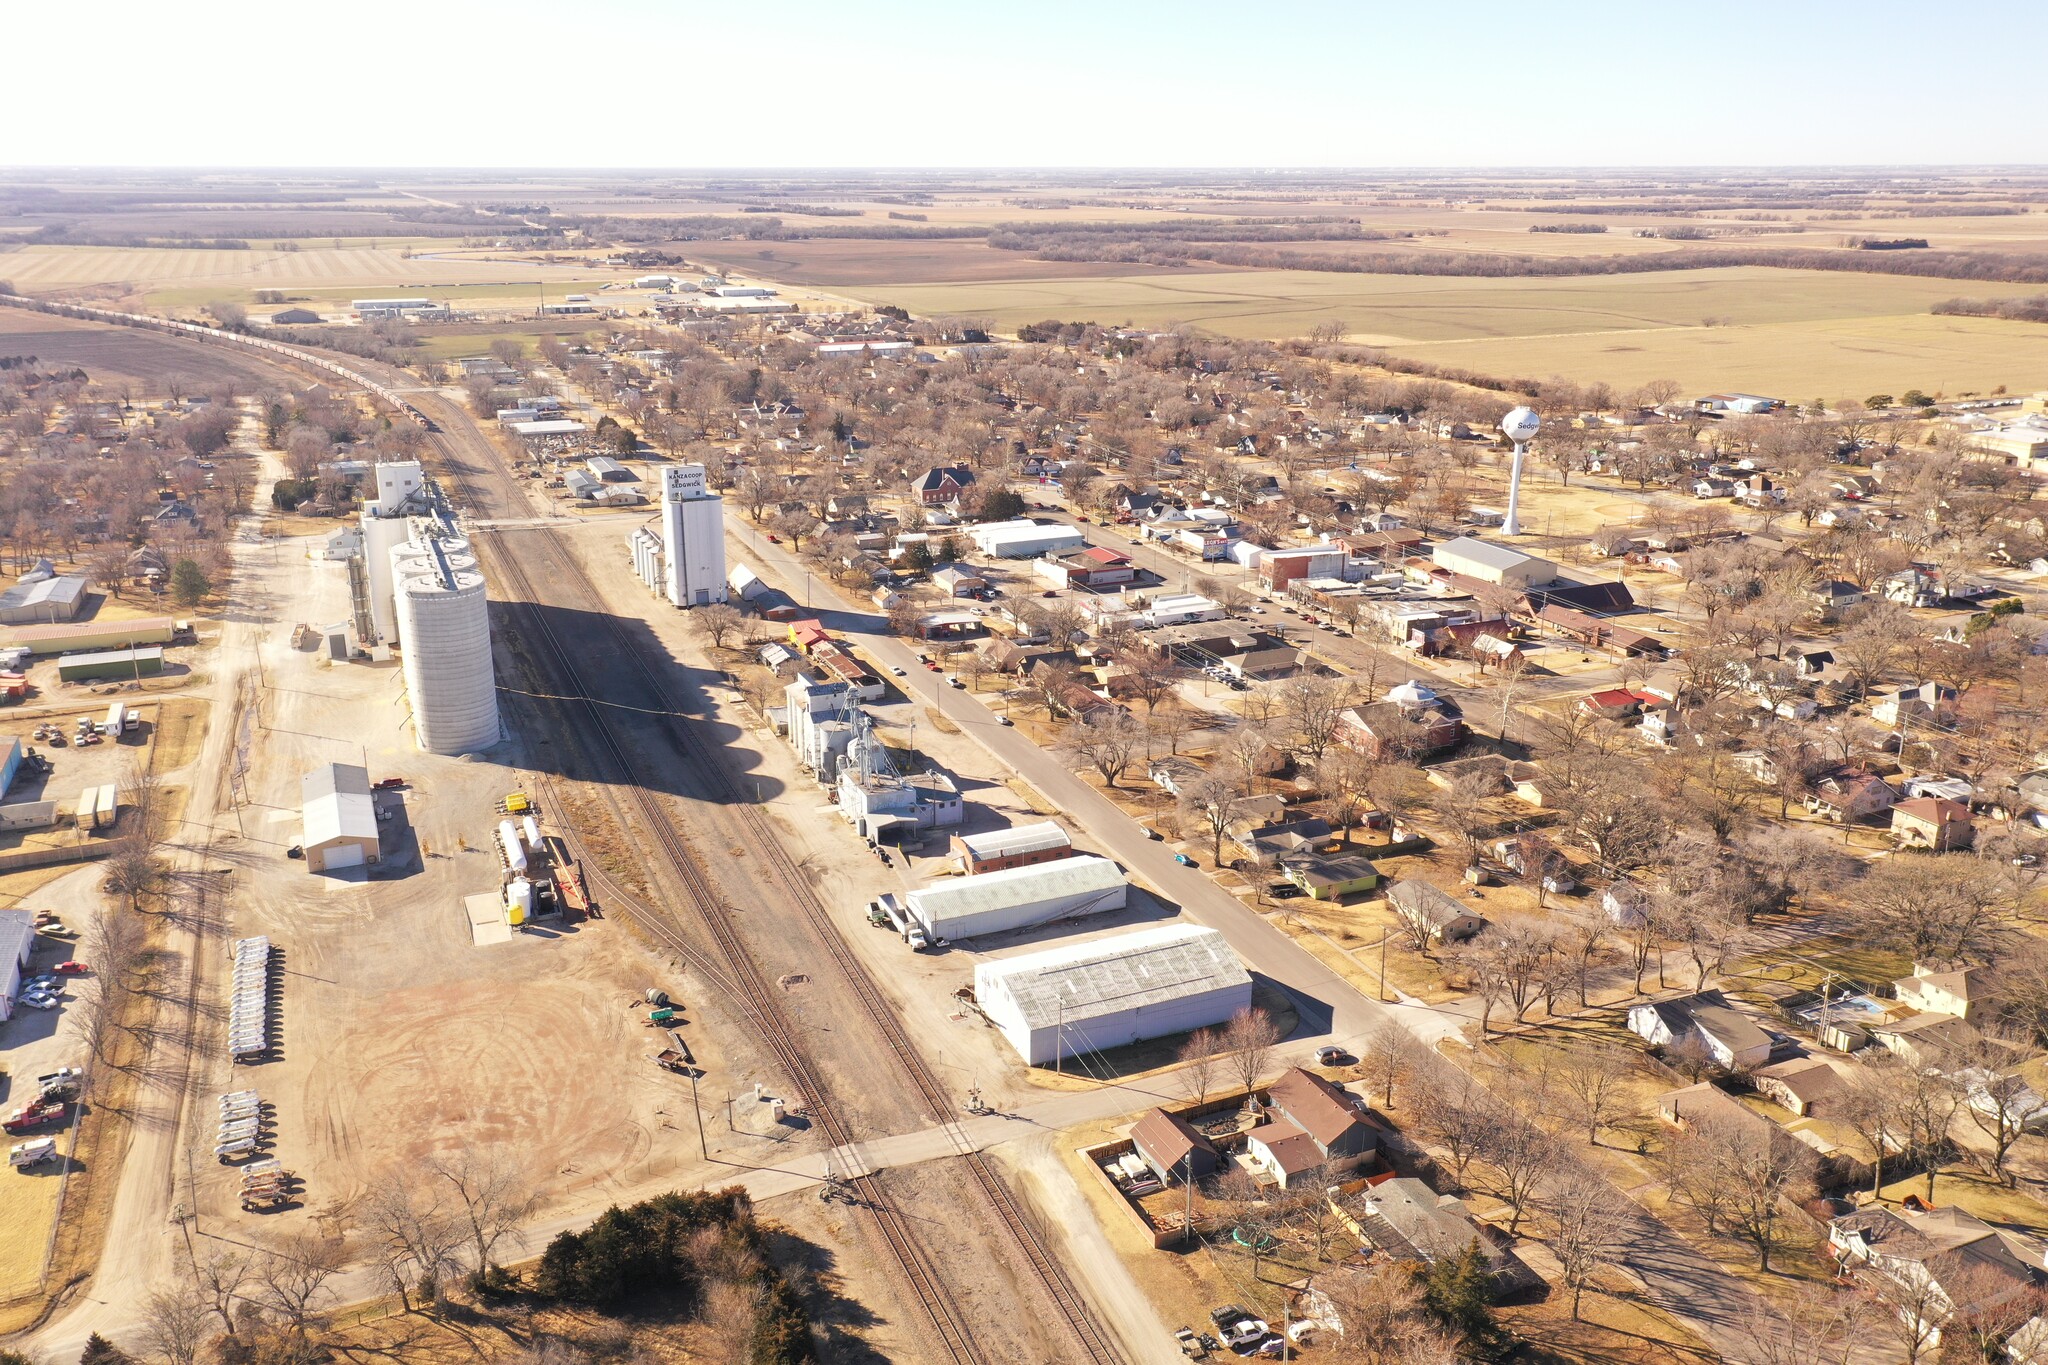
column 17, row 935
column 1108, row 976
column 1007, row 843
column 1477, row 551
column 963, row 897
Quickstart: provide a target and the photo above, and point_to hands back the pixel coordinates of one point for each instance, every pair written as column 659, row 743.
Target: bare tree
column 1520, row 1158
column 174, row 1323
column 218, row 1277
column 493, row 1198
column 1199, row 1063
column 1392, row 1055
column 1918, row 1309
column 416, row 1237
column 1758, row 1167
column 1316, row 704
column 1212, row 802
column 1248, row 1042
column 1109, row 746
column 293, row 1277
column 1588, row 1230
column 716, row 622
column 1814, row 1324
column 1595, row 1076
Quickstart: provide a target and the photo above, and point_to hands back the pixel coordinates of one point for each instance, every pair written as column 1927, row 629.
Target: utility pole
column 703, row 1149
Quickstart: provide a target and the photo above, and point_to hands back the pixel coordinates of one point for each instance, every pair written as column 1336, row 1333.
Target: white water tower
column 1518, row 426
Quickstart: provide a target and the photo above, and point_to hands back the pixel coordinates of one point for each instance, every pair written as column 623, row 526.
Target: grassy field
column 1802, row 333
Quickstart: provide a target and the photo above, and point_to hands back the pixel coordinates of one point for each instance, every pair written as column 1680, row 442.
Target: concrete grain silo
column 444, row 634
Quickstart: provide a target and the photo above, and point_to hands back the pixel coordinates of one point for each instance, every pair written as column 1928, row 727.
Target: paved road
column 1680, row 1279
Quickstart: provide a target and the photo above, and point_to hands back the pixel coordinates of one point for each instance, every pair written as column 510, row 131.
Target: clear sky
column 1056, row 83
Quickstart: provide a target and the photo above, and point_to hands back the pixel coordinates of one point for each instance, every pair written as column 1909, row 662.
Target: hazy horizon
column 903, row 84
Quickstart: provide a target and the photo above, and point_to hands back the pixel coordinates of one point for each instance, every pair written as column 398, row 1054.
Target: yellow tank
column 515, row 915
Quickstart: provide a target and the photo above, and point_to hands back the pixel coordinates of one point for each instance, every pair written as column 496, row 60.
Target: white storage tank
column 508, row 839
column 444, row 630
column 532, row 828
column 519, row 901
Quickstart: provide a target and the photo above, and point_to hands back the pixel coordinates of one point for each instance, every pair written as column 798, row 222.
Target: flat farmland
column 181, row 276
column 838, row 263
column 1774, row 330
column 1831, row 358
column 113, row 355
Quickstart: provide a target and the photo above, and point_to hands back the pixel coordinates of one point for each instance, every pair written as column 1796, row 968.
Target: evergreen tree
column 189, row 583
column 99, row 1351
column 1459, row 1294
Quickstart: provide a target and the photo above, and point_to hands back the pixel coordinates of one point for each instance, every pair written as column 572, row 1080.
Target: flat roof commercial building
column 1490, row 563
column 1018, row 846
column 1018, row 897
column 340, row 818
column 1116, row 991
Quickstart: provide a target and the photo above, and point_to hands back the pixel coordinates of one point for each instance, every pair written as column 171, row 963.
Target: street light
column 1518, row 426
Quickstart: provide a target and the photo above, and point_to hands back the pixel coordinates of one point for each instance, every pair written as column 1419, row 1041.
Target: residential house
column 1413, row 721
column 1276, row 841
column 1615, row 703
column 1943, row 1262
column 1329, row 879
column 1334, row 1119
column 1834, row 597
column 1848, row 794
column 1404, row 1219
column 1713, row 488
column 1431, row 913
column 1239, row 650
column 1933, row 822
column 1804, row 1085
column 1956, row 992
column 1175, row 1149
column 1730, row 1037
column 1927, row 703
column 943, row 485
column 1625, row 904
column 1283, row 1151
column 1925, row 1039
column 1708, row 1103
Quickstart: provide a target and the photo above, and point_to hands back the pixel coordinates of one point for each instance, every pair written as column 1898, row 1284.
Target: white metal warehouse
column 1018, row 897
column 1024, row 539
column 1112, row 992
column 340, row 817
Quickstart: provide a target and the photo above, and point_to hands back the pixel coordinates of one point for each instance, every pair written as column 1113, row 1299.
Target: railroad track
column 746, row 985
column 742, row 976
column 739, row 975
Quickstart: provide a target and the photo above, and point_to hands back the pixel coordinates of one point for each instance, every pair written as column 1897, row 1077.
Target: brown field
column 121, row 355
column 839, row 263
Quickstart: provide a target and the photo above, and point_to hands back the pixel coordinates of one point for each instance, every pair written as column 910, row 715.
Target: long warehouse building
column 1018, row 898
column 1113, row 992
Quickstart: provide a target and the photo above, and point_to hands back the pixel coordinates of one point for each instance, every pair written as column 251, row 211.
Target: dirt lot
column 402, row 1041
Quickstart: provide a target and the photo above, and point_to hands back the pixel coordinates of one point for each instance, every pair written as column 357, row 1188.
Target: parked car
column 1184, row 860
column 1330, row 1056
column 1005, row 720
column 39, row 1000
column 774, row 539
column 71, row 969
column 897, row 669
column 385, row 784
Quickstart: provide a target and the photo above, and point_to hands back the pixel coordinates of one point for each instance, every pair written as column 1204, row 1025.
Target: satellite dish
column 1520, row 425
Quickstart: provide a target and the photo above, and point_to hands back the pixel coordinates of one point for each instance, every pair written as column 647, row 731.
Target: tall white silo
column 444, row 631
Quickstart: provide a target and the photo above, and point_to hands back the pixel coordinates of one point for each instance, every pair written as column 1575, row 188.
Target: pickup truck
column 36, row 1115
column 60, row 1084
